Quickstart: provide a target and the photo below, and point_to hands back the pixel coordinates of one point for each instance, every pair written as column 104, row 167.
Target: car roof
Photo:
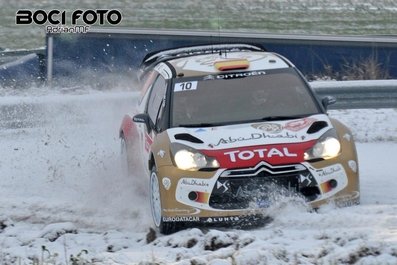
column 199, row 65
column 163, row 55
column 205, row 59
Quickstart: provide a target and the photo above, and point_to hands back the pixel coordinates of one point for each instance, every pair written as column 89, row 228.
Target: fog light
column 193, row 196
column 333, row 183
column 329, row 185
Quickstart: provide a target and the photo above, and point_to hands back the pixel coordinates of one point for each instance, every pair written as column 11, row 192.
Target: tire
column 126, row 162
column 156, row 207
column 132, row 168
column 129, row 157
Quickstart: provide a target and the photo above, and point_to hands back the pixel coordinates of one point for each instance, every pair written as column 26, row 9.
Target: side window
column 156, row 98
column 146, row 83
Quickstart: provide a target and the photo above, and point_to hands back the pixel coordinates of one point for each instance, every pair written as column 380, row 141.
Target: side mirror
column 143, row 118
column 327, row 101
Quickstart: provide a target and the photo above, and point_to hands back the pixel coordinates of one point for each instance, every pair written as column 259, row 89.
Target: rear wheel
column 156, row 207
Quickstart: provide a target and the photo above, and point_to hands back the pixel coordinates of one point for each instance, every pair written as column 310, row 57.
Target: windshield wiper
column 198, row 125
column 277, row 118
column 268, row 118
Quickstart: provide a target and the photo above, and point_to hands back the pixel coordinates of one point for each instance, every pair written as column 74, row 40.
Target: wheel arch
column 127, row 128
column 152, row 162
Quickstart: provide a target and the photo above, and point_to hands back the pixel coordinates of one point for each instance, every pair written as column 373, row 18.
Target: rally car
column 221, row 128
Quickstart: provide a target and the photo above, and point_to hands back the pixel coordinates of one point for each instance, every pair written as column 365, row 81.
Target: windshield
column 238, row 97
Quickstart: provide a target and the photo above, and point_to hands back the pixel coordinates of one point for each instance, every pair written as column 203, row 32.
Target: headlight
column 187, row 158
column 327, row 147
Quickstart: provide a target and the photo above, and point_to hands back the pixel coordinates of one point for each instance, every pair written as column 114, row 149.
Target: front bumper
column 212, row 196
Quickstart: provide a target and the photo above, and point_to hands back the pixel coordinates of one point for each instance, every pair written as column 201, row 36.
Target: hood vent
column 188, row 137
column 317, row 126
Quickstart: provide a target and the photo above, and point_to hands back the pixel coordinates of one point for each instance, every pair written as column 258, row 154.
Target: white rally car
column 220, row 128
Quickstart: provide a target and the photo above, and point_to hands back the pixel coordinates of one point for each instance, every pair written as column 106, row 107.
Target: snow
column 63, row 193
column 354, row 83
column 375, row 125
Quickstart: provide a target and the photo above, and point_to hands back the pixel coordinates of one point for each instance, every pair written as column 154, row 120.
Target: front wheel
column 129, row 156
column 155, row 205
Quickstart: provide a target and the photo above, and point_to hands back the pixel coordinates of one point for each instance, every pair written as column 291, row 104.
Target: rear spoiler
column 168, row 54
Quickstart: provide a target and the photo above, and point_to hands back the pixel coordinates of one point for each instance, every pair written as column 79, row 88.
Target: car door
column 155, row 104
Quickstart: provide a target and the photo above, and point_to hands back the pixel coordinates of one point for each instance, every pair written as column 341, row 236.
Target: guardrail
column 22, row 68
column 371, row 94
column 119, row 50
column 95, row 57
column 26, row 112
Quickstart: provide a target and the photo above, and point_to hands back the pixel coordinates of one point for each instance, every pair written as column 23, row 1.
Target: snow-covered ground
column 63, row 193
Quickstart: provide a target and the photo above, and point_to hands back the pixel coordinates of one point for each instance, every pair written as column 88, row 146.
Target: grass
column 48, row 258
column 369, row 68
column 364, row 69
column 283, row 16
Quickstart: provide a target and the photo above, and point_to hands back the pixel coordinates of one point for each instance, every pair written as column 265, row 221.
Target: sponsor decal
column 249, row 156
column 206, row 60
column 137, row 119
column 268, row 127
column 181, row 219
column 299, row 124
column 259, row 153
column 200, row 130
column 234, row 75
column 185, row 86
column 178, row 211
column 195, row 182
column 166, row 183
column 331, row 180
column 255, row 136
column 161, row 153
column 347, row 137
column 353, row 165
column 327, row 171
column 239, row 75
column 220, row 219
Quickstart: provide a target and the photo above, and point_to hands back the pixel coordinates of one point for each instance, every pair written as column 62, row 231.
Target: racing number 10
column 185, row 86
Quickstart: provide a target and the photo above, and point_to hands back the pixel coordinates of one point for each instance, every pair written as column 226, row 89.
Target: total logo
column 236, row 155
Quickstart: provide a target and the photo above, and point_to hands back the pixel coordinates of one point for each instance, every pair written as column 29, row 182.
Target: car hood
column 276, row 142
